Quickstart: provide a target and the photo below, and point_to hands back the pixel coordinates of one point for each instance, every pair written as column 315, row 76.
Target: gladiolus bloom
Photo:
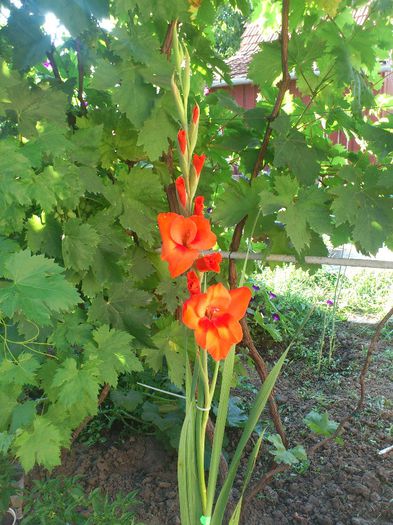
column 181, row 191
column 209, row 263
column 214, row 316
column 182, row 140
column 199, row 204
column 182, row 240
column 195, row 114
column 193, row 283
column 198, row 162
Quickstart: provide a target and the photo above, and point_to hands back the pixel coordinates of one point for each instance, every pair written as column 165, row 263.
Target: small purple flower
column 209, row 210
column 47, row 64
column 329, row 302
column 275, row 317
column 272, row 295
column 255, row 287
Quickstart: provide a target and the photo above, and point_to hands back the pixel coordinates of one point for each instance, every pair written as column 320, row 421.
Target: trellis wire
column 310, row 259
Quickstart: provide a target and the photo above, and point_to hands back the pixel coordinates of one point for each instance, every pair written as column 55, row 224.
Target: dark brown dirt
column 348, row 484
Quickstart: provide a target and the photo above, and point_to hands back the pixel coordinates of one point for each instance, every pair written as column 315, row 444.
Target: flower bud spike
column 199, row 204
column 195, row 114
column 198, row 162
column 181, row 191
column 182, row 140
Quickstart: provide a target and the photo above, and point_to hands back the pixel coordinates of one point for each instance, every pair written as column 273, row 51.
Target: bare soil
column 347, row 484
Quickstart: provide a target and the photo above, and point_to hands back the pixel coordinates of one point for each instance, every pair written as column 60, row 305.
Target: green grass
column 62, row 500
column 368, row 292
column 332, row 297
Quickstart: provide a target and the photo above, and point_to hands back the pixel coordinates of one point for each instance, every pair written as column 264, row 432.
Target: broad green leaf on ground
column 289, row 456
column 35, row 287
column 112, row 349
column 320, row 423
column 40, row 445
column 79, row 243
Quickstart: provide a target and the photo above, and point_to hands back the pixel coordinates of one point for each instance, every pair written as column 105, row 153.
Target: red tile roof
column 253, row 36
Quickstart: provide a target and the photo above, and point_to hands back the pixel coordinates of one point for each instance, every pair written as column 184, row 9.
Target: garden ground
column 346, row 483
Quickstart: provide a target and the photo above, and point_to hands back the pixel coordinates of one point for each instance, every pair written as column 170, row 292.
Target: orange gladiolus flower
column 198, row 162
column 214, row 316
column 182, row 140
column 193, row 283
column 182, row 240
column 199, row 205
column 209, row 263
column 181, row 191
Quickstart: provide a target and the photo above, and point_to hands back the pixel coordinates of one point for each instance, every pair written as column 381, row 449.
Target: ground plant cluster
column 124, row 333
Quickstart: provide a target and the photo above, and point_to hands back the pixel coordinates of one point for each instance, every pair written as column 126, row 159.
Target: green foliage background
column 86, row 142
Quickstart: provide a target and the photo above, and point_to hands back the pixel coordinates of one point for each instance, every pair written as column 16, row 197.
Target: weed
column 61, row 501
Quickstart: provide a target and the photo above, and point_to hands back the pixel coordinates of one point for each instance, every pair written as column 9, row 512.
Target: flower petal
column 218, row 297
column 240, row 299
column 180, row 259
column 194, row 310
column 183, row 231
column 205, row 238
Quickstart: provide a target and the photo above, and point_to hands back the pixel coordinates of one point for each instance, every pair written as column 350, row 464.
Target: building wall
column 246, row 96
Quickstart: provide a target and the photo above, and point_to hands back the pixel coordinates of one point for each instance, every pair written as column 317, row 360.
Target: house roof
column 254, row 34
column 251, row 38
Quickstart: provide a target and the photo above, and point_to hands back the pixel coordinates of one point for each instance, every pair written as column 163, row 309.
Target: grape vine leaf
column 320, row 423
column 113, row 350
column 126, row 308
column 79, row 244
column 265, row 65
column 23, row 415
column 169, row 342
column 76, row 388
column 156, row 130
column 40, row 445
column 138, row 201
column 5, row 443
column 35, row 287
column 290, row 456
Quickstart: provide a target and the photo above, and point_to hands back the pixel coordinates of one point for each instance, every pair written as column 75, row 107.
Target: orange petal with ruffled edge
column 205, row 238
column 180, row 260
column 194, row 310
column 209, row 263
column 240, row 299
